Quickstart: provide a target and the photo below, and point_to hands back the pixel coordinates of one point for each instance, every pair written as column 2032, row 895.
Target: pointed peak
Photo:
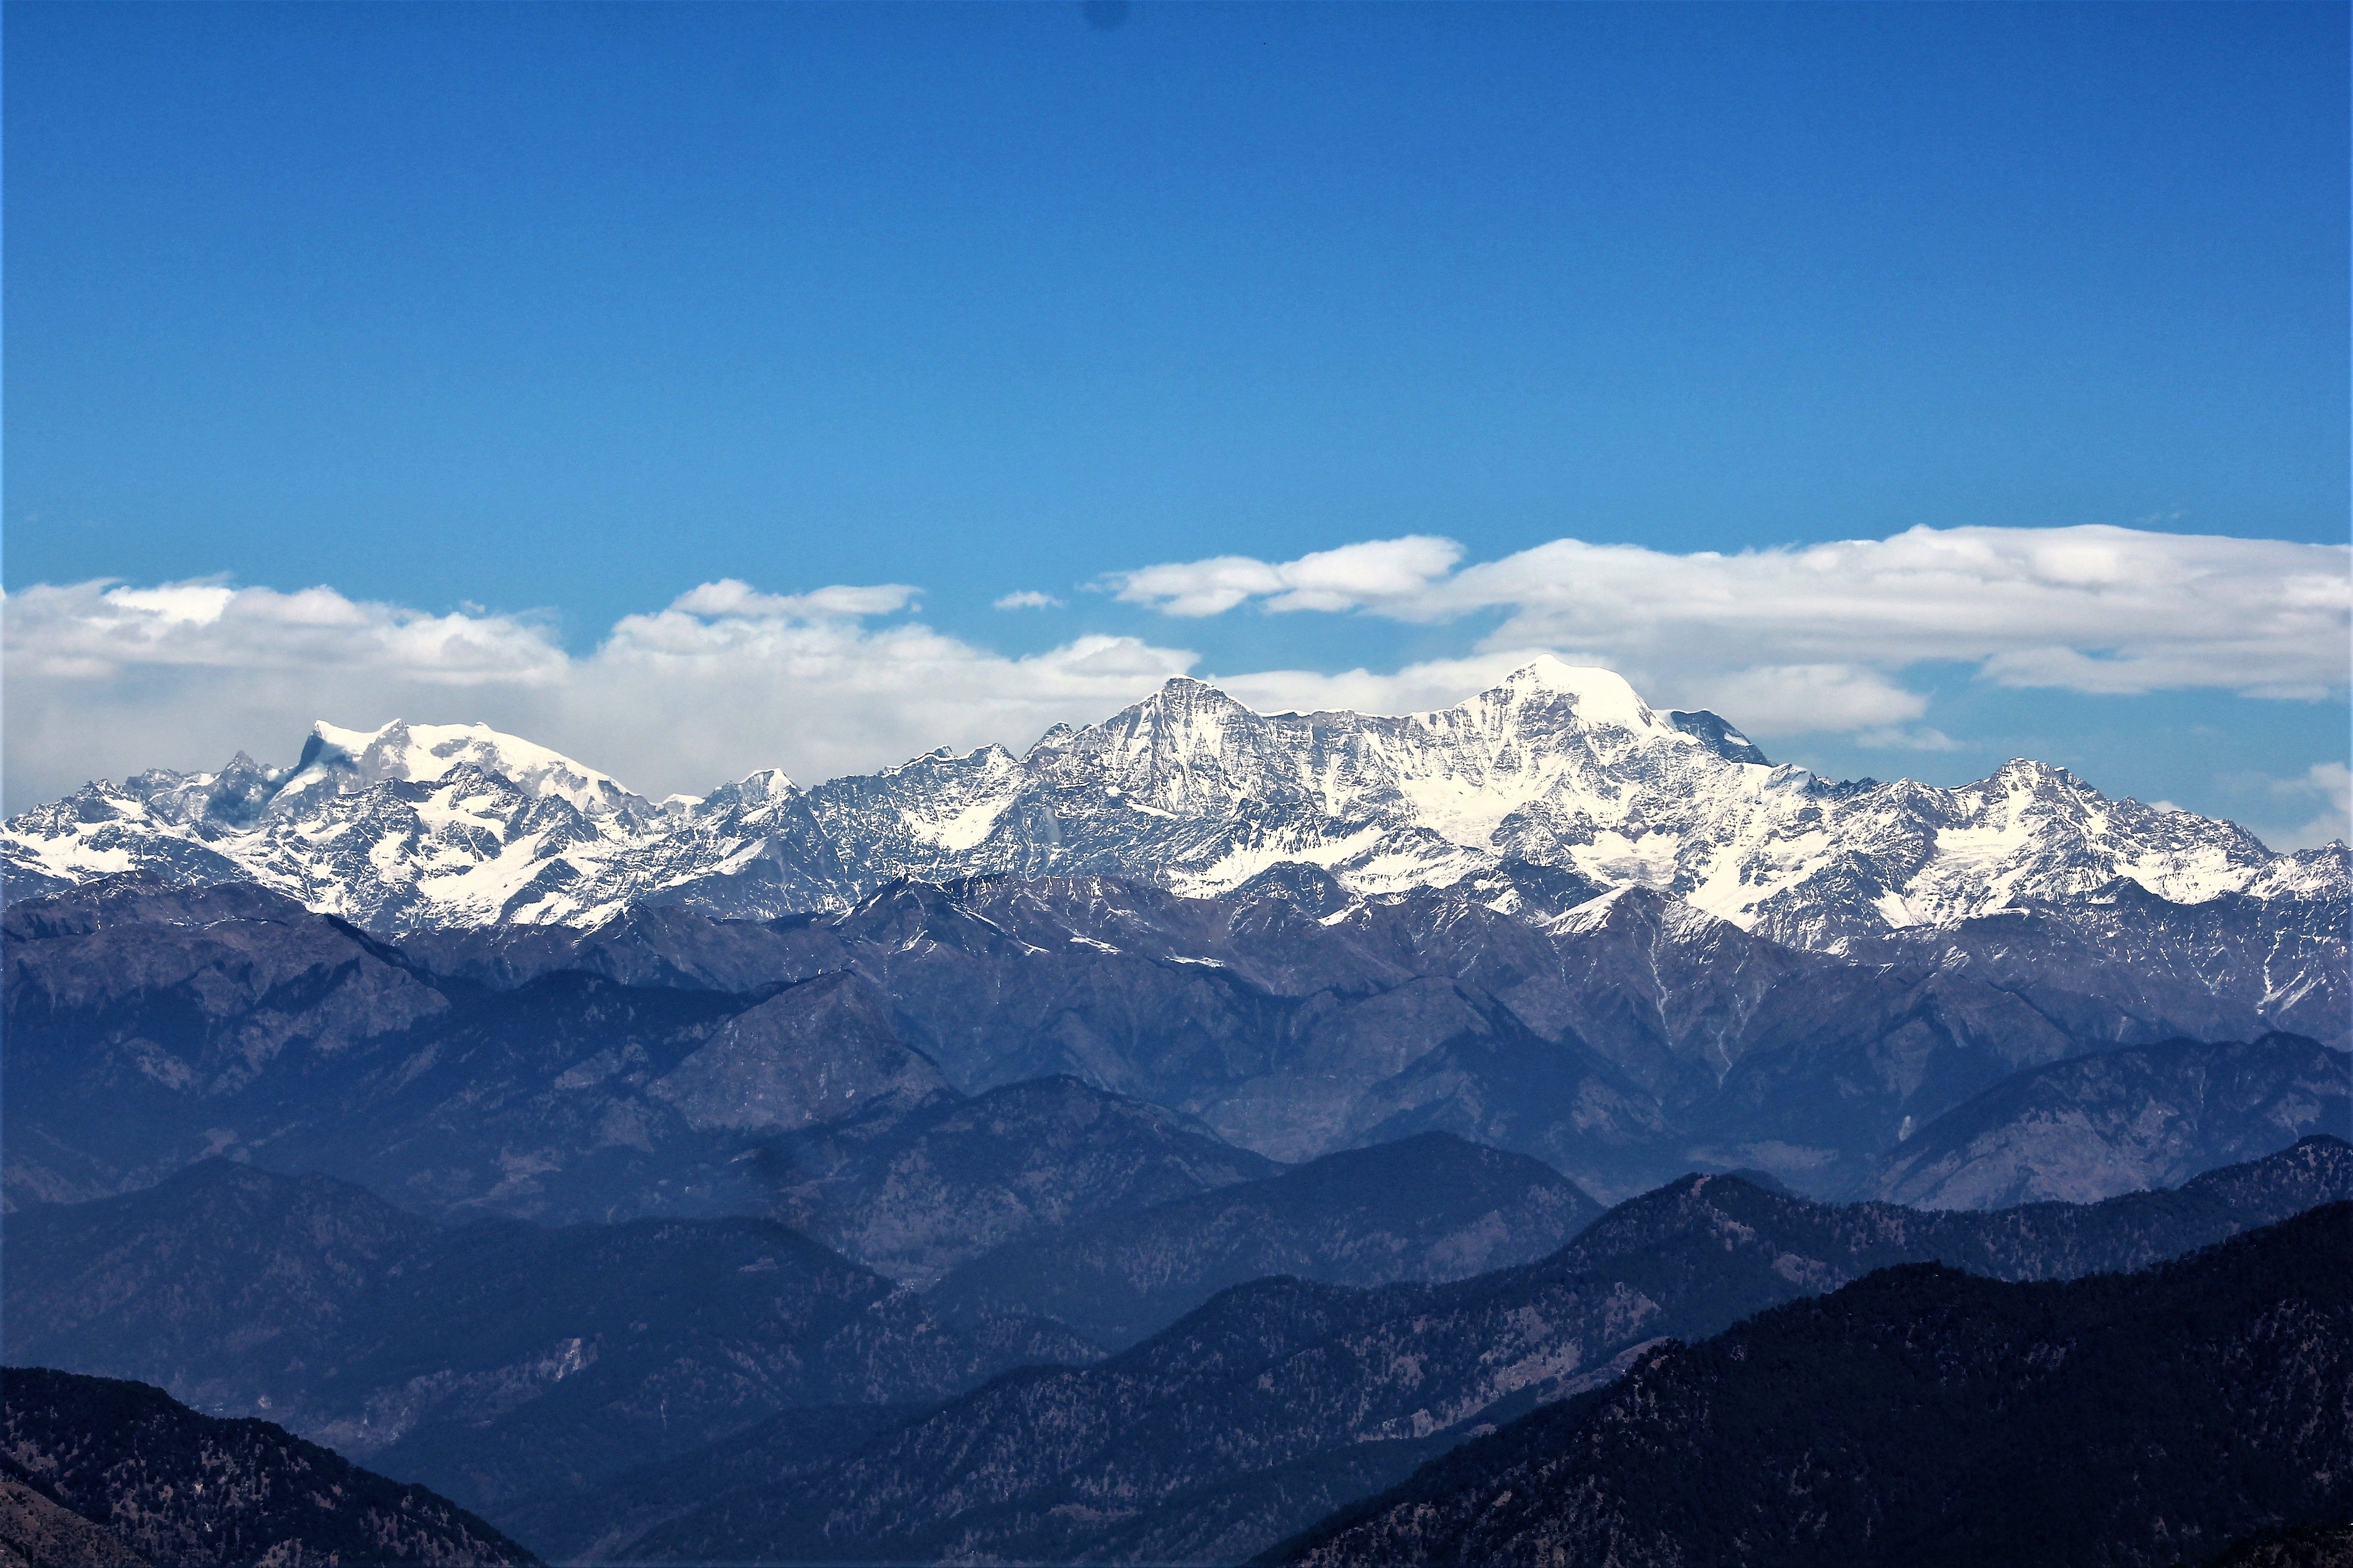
column 1059, row 735
column 760, row 788
column 1187, row 687
column 1183, row 694
column 2031, row 773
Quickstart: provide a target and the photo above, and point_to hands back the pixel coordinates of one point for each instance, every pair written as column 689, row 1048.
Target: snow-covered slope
column 415, row 826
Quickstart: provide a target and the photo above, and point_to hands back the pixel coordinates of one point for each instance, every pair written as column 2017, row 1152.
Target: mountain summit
column 1561, row 767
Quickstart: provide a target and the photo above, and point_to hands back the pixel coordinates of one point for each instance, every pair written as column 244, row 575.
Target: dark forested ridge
column 1277, row 1401
column 2288, row 1546
column 1923, row 1417
column 599, row 1382
column 177, row 1489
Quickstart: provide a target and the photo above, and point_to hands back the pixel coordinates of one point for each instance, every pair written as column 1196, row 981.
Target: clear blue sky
column 573, row 308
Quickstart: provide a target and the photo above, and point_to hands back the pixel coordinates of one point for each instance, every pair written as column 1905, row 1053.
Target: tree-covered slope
column 184, row 1490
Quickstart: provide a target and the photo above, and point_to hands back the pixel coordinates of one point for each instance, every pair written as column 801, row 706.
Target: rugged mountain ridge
column 1925, row 1416
column 421, row 826
column 666, row 1063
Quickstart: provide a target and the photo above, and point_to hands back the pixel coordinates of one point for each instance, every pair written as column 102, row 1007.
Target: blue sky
column 548, row 314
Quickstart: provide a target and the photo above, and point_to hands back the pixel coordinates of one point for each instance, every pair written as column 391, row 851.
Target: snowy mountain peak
column 1598, row 696
column 1182, row 699
column 337, row 761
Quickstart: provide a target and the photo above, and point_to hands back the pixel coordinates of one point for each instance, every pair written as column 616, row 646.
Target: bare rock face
column 2094, row 1127
column 173, row 1488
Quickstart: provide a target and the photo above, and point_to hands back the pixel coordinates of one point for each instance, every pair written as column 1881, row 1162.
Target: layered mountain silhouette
column 492, row 1358
column 1281, row 1400
column 1429, row 1207
column 500, row 1358
column 729, row 1389
column 1138, row 1148
column 1925, row 1416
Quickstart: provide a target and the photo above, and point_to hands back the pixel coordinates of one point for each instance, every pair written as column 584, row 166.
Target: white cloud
column 104, row 680
column 1027, row 599
column 1375, row 575
column 1809, row 699
column 1921, row 738
column 728, row 598
column 1416, row 689
column 1811, row 637
column 2330, row 784
column 104, row 677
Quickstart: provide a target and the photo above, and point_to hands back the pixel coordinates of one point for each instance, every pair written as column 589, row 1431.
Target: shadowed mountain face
column 1430, row 1208
column 1279, row 1401
column 2083, row 1130
column 669, row 1064
column 103, row 1474
column 1923, row 1417
column 490, row 1359
column 498, row 1358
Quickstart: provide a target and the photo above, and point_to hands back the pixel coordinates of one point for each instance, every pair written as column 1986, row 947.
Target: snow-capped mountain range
column 1558, row 767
